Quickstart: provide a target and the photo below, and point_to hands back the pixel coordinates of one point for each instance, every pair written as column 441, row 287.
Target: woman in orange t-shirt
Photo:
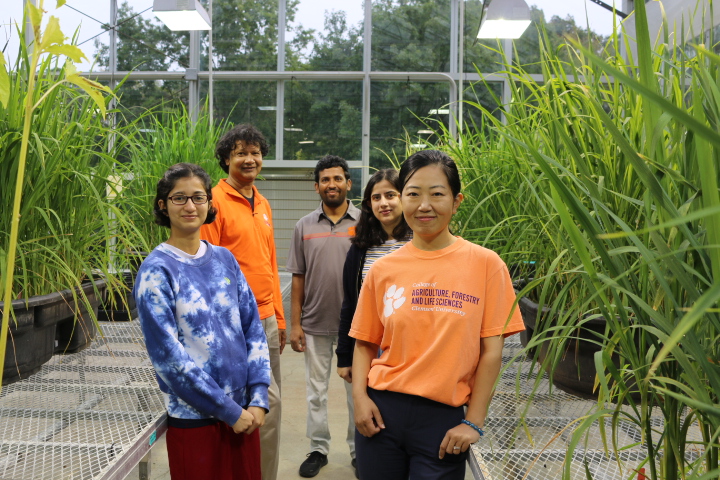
column 439, row 308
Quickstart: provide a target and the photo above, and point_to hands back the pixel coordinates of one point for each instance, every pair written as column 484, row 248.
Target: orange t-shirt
column 248, row 234
column 428, row 311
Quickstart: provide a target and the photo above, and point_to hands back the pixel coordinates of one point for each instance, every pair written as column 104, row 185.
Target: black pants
column 409, row 445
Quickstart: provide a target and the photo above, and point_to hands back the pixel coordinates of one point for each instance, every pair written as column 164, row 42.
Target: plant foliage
column 55, row 151
column 606, row 174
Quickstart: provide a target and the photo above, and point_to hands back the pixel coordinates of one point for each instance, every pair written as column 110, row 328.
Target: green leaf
column 53, row 35
column 708, row 299
column 60, row 3
column 90, row 88
column 4, row 82
column 71, row 51
column 35, row 15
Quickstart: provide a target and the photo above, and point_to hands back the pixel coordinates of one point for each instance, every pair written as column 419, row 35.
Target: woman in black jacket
column 381, row 230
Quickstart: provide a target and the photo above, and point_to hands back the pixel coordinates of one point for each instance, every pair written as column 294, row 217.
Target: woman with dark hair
column 439, row 308
column 204, row 338
column 380, row 230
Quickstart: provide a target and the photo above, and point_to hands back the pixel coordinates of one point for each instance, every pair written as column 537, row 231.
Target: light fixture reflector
column 504, row 19
column 182, row 14
column 503, row 28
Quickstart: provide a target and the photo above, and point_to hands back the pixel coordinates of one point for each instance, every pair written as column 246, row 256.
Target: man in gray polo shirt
column 317, row 255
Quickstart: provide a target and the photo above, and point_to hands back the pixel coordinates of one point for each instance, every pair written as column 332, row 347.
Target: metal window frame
column 455, row 78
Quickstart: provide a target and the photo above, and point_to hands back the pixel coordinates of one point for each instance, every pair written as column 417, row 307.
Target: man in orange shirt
column 244, row 226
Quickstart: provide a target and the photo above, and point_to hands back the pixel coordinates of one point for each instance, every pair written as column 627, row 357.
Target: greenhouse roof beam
column 317, row 75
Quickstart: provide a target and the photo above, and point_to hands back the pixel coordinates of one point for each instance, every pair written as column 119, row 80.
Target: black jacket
column 352, row 281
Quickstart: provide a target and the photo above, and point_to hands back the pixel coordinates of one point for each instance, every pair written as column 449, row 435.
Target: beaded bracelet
column 475, row 427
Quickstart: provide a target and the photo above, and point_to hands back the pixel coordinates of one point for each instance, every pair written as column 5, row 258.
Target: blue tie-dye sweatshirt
column 203, row 334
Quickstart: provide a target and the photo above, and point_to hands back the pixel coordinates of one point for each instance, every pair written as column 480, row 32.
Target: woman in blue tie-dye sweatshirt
column 204, row 338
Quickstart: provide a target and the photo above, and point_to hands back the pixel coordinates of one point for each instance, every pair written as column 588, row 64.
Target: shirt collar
column 229, row 190
column 352, row 212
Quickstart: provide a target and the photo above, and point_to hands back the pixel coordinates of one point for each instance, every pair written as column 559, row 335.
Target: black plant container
column 528, row 308
column 136, row 257
column 575, row 373
column 529, row 312
column 119, row 306
column 31, row 341
column 47, row 324
column 76, row 328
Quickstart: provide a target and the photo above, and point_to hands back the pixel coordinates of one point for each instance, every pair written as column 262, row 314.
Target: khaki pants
column 319, row 351
column 270, row 431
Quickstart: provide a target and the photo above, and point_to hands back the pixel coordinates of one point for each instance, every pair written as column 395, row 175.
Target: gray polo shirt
column 318, row 250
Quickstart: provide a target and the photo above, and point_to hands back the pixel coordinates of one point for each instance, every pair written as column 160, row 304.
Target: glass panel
column 92, row 47
column 331, row 41
column 245, row 35
column 357, row 188
column 145, row 43
column 412, row 36
column 137, row 96
column 246, row 102
column 479, row 94
column 10, row 19
column 480, row 52
column 323, row 118
column 399, row 111
column 83, row 17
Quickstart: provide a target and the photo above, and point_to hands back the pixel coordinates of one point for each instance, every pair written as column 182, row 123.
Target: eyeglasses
column 182, row 199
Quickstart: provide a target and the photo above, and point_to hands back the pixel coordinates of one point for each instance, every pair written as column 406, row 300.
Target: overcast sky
column 308, row 15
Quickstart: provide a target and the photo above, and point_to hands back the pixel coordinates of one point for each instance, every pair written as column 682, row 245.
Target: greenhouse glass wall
column 369, row 82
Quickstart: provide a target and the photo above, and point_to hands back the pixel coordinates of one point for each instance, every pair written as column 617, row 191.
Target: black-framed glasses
column 182, row 199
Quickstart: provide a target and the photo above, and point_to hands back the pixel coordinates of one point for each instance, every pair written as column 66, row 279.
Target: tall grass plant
column 56, row 167
column 163, row 139
column 613, row 184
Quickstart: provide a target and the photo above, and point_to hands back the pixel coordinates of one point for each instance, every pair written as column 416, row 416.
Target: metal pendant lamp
column 182, row 14
column 504, row 19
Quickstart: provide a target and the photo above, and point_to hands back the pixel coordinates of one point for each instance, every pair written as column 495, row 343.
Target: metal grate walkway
column 89, row 415
column 530, row 442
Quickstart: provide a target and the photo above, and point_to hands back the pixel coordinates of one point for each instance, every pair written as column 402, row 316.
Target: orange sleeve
column 277, row 293
column 366, row 324
column 501, row 294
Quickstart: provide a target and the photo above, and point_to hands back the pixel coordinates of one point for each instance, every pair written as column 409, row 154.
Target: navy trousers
column 408, row 447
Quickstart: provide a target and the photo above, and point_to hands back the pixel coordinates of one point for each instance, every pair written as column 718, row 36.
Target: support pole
column 455, row 30
column 280, row 99
column 210, row 66
column 29, row 34
column 461, row 68
column 112, row 119
column 366, row 92
column 507, row 92
column 191, row 75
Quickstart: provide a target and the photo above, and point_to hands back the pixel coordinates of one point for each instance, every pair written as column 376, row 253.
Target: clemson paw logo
column 393, row 299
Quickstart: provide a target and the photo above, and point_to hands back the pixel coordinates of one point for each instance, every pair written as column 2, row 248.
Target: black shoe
column 313, row 464
column 354, row 465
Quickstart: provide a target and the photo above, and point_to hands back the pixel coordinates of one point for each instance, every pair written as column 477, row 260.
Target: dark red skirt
column 213, row 452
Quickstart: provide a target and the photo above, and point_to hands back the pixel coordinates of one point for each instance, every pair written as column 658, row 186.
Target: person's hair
column 331, row 161
column 167, row 183
column 369, row 231
column 425, row 158
column 245, row 132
